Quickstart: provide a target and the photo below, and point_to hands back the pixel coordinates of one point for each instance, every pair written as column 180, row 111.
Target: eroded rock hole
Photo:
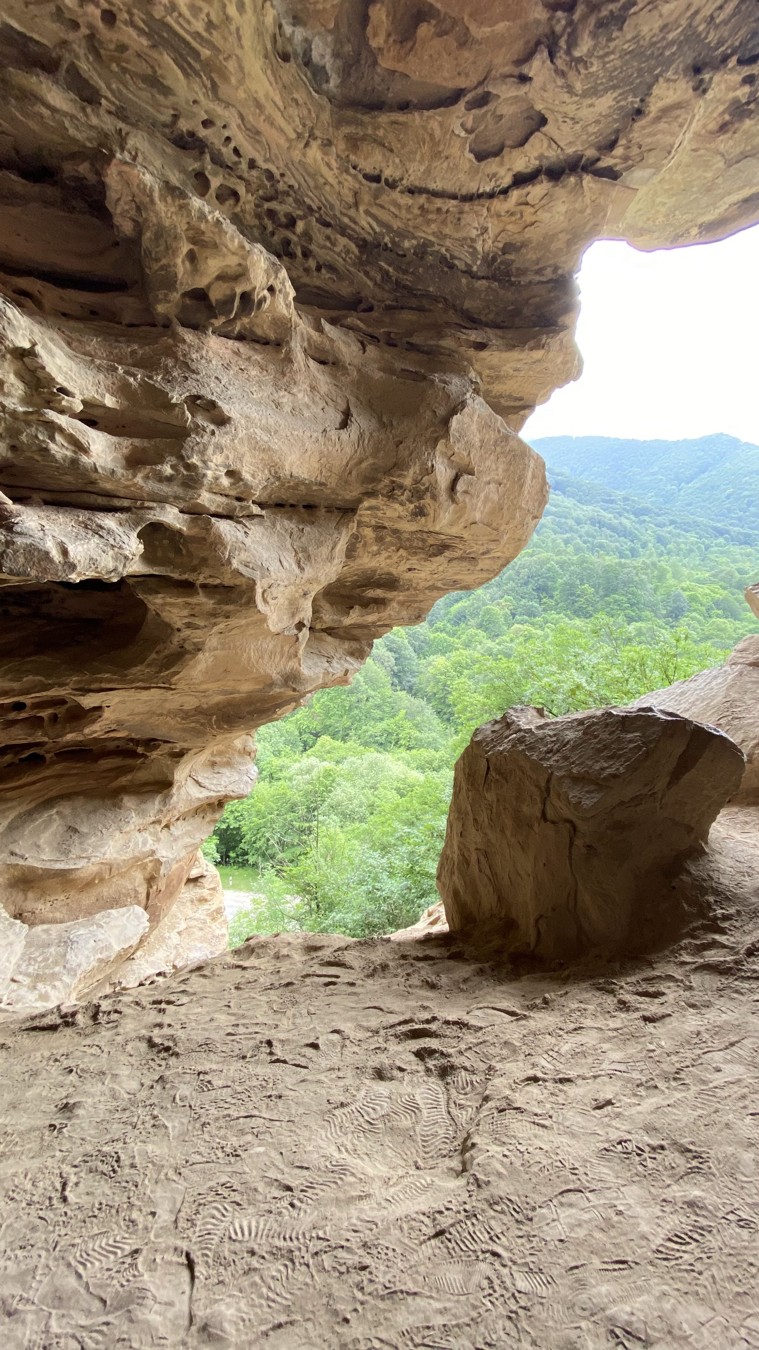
column 227, row 196
column 62, row 621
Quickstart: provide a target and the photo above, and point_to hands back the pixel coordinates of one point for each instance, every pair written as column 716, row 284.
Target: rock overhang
column 280, row 285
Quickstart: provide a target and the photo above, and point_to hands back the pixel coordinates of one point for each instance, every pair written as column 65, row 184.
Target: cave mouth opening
column 633, row 580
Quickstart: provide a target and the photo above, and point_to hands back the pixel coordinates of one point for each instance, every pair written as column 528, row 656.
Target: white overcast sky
column 670, row 342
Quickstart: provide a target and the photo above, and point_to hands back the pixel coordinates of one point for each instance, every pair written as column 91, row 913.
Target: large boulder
column 567, row 833
column 726, row 697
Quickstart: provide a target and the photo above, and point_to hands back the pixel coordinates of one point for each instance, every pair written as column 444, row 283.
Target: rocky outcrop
column 64, row 962
column 51, row 963
column 280, row 284
column 433, row 923
column 568, row 833
column 12, row 940
column 726, row 697
column 194, row 930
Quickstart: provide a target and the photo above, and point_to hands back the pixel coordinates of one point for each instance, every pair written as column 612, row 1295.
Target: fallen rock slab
column 432, row 923
column 64, row 962
column 568, row 833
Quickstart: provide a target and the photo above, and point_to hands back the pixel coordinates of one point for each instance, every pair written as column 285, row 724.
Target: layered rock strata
column 567, row 834
column 280, row 284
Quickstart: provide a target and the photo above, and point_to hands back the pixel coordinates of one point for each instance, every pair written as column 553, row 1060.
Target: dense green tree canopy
column 715, row 478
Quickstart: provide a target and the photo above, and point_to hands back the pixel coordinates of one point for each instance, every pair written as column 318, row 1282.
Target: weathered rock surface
column 726, row 697
column 278, row 285
column 12, row 939
column 193, row 930
column 432, row 922
column 64, row 962
column 51, row 963
column 568, row 833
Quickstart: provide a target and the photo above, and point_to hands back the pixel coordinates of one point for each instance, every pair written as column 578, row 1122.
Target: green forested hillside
column 714, row 477
column 613, row 597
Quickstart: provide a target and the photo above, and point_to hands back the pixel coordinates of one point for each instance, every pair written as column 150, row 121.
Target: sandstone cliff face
column 280, row 284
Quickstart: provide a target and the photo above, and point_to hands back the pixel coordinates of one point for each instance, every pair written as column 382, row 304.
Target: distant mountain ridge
column 714, row 478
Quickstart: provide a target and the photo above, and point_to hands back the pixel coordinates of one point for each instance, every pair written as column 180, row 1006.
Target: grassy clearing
column 240, row 878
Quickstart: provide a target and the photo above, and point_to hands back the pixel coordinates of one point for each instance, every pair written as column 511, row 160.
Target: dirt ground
column 315, row 1142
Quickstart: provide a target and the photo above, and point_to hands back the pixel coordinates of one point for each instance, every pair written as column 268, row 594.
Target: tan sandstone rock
column 726, row 697
column 567, row 833
column 431, row 924
column 193, row 930
column 12, row 939
column 64, row 962
column 279, row 284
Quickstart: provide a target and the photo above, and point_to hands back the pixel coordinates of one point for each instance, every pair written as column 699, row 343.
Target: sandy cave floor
column 315, row 1142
